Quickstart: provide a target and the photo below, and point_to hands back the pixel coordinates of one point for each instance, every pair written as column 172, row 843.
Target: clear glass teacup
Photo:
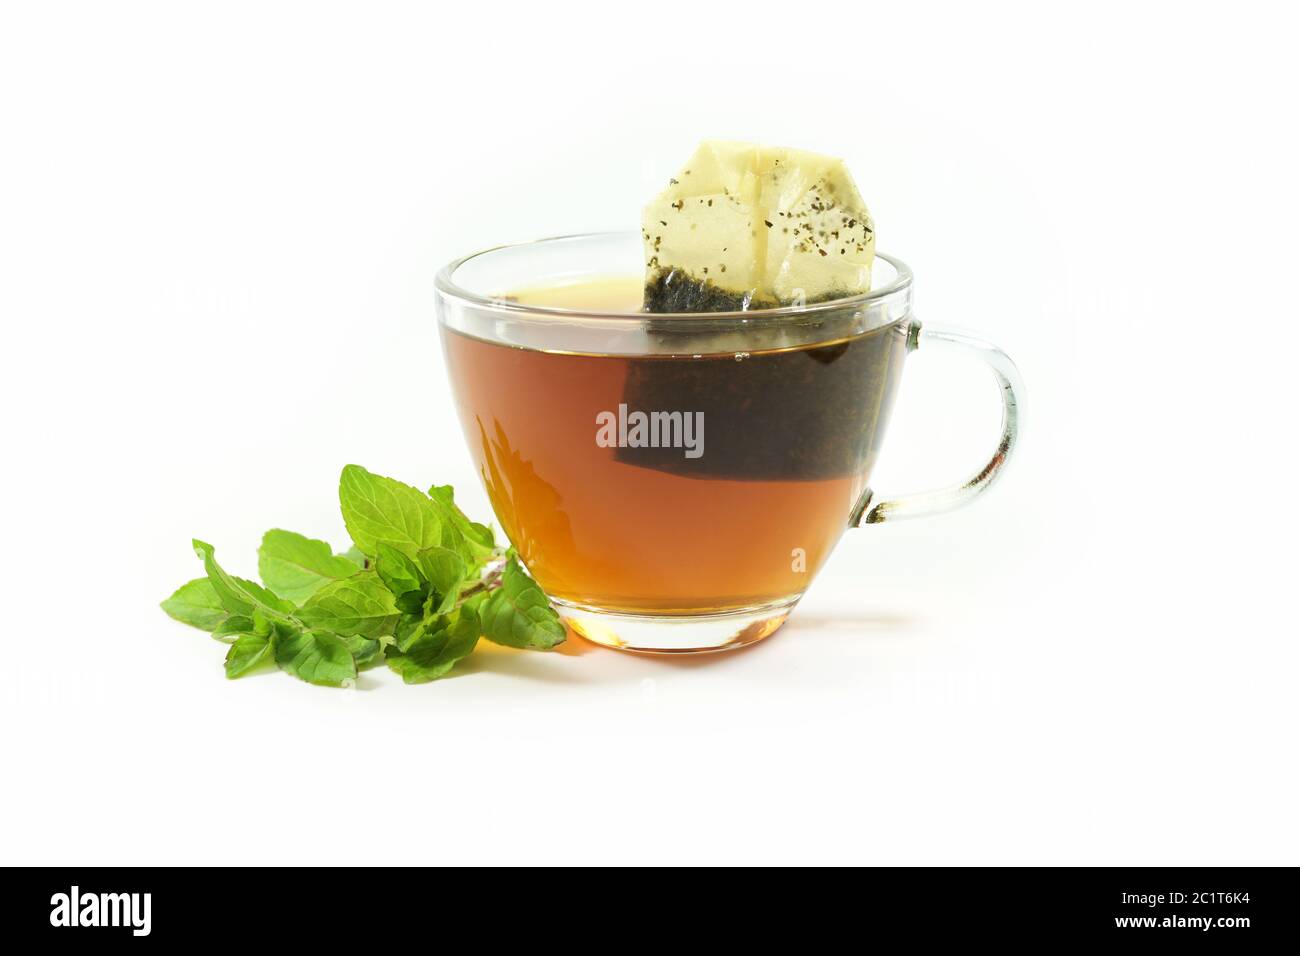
column 674, row 482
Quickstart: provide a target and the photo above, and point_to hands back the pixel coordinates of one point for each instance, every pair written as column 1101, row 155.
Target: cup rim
column 446, row 285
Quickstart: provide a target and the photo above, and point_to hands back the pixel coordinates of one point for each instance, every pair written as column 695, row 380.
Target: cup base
column 675, row 633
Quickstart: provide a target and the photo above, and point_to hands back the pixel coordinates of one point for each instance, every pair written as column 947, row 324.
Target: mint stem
column 491, row 579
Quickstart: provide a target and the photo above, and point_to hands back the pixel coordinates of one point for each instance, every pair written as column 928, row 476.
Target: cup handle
column 870, row 511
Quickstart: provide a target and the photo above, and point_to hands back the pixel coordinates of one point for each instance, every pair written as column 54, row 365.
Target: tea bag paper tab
column 748, row 227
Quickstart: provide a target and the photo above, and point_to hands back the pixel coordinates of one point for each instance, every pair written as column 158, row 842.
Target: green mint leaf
column 364, row 650
column 438, row 649
column 356, row 605
column 445, row 571
column 401, row 576
column 265, row 602
column 396, row 566
column 409, row 629
column 412, row 602
column 518, row 615
column 197, row 604
column 237, row 625
column 474, row 556
column 249, row 652
column 317, row 657
column 237, row 595
column 234, row 627
column 296, row 567
column 476, row 540
column 234, row 598
column 379, row 509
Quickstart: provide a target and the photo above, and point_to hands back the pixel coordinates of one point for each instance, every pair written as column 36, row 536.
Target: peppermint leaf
column 474, row 540
column 445, row 571
column 356, row 605
column 518, row 614
column 248, row 653
column 436, row 651
column 196, row 603
column 364, row 650
column 234, row 627
column 318, row 657
column 296, row 567
column 401, row 576
column 379, row 509
column 237, row 595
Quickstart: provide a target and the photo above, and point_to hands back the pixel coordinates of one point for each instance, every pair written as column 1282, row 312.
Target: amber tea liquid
column 787, row 443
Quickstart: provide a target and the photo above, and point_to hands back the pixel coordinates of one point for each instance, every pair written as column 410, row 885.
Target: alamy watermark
column 637, row 429
column 75, row 908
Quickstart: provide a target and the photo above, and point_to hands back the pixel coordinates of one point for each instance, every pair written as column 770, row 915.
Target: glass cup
column 674, row 482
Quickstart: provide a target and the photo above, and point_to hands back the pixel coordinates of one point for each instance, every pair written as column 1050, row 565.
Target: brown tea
column 673, row 482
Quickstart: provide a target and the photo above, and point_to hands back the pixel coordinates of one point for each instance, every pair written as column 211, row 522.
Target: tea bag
column 745, row 227
column 793, row 415
column 752, row 227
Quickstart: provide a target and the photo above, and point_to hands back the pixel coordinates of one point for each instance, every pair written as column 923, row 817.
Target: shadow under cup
column 673, row 482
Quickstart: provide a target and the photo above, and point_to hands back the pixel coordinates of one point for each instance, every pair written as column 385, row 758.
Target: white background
column 218, row 229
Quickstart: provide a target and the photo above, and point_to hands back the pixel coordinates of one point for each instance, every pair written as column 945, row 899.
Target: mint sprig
column 417, row 589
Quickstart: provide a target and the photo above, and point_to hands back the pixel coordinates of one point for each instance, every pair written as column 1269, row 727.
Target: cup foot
column 675, row 633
